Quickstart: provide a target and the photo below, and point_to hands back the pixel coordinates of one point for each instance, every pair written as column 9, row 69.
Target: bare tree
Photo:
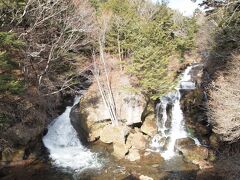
column 224, row 104
column 55, row 28
column 101, row 73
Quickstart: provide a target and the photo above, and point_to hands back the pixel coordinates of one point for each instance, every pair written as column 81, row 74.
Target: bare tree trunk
column 104, row 87
column 109, row 90
column 104, row 82
column 119, row 52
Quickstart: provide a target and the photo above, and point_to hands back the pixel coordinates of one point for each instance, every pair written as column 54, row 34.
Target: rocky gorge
column 119, row 89
column 131, row 139
column 129, row 143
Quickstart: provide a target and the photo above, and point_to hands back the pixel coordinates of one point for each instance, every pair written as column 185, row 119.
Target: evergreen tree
column 9, row 81
column 147, row 41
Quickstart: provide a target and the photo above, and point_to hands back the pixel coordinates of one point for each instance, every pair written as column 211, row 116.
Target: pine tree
column 146, row 39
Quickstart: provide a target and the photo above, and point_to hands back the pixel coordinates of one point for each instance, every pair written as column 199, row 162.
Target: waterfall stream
column 170, row 120
column 66, row 150
column 64, row 146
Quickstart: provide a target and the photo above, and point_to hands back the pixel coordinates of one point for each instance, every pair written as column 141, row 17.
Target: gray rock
column 129, row 106
column 133, row 155
column 79, row 124
column 137, row 140
column 114, row 134
column 190, row 151
column 149, row 126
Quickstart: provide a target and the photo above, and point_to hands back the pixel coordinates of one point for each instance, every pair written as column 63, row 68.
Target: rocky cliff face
column 23, row 122
column 211, row 132
column 194, row 106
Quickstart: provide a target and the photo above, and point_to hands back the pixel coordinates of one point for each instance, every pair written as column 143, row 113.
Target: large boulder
column 190, row 151
column 79, row 125
column 137, row 140
column 120, row 150
column 129, row 106
column 183, row 143
column 214, row 141
column 133, row 155
column 96, row 129
column 195, row 153
column 21, row 134
column 142, row 177
column 149, row 126
column 114, row 134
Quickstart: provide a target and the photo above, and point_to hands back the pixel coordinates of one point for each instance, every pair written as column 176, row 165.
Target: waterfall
column 170, row 120
column 65, row 148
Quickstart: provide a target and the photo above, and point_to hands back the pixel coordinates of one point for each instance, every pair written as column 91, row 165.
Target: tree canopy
column 146, row 36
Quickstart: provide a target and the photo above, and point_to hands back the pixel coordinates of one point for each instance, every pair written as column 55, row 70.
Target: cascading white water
column 64, row 146
column 164, row 141
column 177, row 130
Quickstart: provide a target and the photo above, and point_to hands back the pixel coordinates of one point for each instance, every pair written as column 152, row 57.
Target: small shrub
column 5, row 62
column 9, row 83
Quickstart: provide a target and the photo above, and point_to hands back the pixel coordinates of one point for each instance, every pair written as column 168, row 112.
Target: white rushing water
column 64, row 146
column 170, row 118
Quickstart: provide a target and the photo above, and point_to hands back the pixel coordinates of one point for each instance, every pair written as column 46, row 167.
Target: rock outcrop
column 142, row 177
column 79, row 125
column 133, row 155
column 129, row 106
column 137, row 140
column 126, row 143
column 23, row 122
column 114, row 134
column 127, row 138
column 149, row 126
column 120, row 150
column 193, row 153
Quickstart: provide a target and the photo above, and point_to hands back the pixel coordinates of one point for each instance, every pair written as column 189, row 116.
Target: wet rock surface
column 149, row 126
column 184, row 143
column 224, row 169
column 24, row 119
column 79, row 125
column 198, row 155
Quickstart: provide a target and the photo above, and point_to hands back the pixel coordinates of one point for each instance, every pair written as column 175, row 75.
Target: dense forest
column 125, row 51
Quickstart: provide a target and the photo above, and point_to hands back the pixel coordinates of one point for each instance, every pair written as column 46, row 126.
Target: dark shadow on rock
column 79, row 124
column 181, row 175
column 130, row 177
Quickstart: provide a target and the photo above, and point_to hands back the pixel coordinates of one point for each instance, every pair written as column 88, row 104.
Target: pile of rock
column 129, row 143
column 191, row 152
column 134, row 131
